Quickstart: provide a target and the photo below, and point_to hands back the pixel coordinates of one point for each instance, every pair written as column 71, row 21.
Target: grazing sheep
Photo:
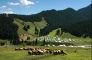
column 63, row 52
column 20, row 48
column 40, row 52
column 35, row 52
column 50, row 51
column 30, row 52
column 16, row 49
column 56, row 52
column 26, row 49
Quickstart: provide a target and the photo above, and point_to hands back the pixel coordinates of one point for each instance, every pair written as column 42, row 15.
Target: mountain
column 86, row 11
column 65, row 18
column 69, row 20
column 61, row 17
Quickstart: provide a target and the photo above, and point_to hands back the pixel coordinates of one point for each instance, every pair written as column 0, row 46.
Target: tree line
column 8, row 30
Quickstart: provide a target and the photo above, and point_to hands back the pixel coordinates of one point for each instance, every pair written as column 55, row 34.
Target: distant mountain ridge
column 86, row 11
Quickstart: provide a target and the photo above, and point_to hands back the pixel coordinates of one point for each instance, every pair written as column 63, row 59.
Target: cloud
column 11, row 3
column 3, row 7
column 26, row 2
column 8, row 12
column 22, row 3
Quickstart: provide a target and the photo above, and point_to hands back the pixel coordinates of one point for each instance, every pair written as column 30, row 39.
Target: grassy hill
column 64, row 35
column 86, row 41
column 20, row 23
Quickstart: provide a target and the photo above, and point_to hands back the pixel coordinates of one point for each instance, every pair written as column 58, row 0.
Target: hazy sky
column 35, row 6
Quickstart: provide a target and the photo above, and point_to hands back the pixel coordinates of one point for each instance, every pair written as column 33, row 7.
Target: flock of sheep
column 41, row 51
column 57, row 39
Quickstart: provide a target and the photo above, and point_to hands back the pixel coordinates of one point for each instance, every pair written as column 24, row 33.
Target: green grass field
column 8, row 53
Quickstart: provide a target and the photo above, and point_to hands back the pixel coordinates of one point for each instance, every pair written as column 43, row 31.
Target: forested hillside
column 8, row 30
column 77, row 23
column 80, row 29
column 86, row 11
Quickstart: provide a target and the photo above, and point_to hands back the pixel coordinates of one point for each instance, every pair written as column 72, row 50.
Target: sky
column 28, row 7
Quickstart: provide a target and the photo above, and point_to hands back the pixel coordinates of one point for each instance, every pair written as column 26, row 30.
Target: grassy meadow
column 39, row 25
column 8, row 53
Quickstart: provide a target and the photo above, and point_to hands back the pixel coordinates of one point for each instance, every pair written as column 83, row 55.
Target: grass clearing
column 39, row 25
column 10, row 54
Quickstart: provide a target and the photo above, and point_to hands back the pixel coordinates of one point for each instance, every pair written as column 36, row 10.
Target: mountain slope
column 31, row 30
column 69, row 20
column 80, row 29
column 86, row 11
